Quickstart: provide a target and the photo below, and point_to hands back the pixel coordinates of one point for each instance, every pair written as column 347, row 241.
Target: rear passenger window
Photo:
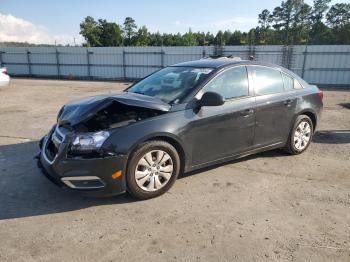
column 266, row 80
column 232, row 83
column 288, row 82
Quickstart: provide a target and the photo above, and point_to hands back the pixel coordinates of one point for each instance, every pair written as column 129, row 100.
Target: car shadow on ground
column 332, row 137
column 24, row 191
column 345, row 105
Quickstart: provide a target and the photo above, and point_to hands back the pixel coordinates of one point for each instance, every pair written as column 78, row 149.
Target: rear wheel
column 300, row 136
column 152, row 169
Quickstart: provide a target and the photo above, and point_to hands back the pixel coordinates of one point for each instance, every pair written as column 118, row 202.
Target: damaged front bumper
column 93, row 176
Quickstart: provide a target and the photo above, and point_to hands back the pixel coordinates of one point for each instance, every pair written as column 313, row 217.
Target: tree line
column 293, row 22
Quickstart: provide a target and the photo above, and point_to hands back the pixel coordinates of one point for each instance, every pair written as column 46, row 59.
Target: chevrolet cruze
column 180, row 118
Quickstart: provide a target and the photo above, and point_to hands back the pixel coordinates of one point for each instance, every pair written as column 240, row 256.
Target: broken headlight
column 88, row 142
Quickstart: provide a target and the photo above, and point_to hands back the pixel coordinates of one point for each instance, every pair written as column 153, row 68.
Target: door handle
column 247, row 112
column 288, row 102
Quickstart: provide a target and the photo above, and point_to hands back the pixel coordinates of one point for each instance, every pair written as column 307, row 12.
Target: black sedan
column 181, row 118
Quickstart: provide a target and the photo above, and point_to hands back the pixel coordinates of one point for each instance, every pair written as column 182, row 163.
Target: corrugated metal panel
column 326, row 65
column 15, row 59
column 270, row 54
column 43, row 61
column 141, row 61
column 237, row 51
column 106, row 62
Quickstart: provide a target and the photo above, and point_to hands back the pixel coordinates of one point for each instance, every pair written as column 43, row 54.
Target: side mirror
column 211, row 99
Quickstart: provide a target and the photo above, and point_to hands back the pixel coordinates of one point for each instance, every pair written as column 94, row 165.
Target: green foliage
column 91, row 31
column 292, row 22
column 338, row 18
column 290, row 18
column 295, row 22
column 338, row 15
column 129, row 30
column 101, row 33
column 110, row 33
column 142, row 37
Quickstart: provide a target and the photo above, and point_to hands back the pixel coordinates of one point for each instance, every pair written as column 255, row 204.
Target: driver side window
column 232, row 83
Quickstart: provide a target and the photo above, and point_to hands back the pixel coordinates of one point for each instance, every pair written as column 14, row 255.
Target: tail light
column 320, row 94
column 5, row 72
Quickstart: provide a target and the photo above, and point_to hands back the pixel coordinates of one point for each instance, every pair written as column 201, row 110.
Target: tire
column 148, row 178
column 293, row 147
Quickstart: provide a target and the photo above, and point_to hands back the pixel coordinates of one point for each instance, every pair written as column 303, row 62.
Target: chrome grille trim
column 44, row 152
column 60, row 137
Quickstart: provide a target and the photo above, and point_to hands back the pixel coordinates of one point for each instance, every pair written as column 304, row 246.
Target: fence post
column 57, row 63
column 162, row 58
column 29, row 63
column 203, row 52
column 88, row 62
column 284, row 56
column 218, row 51
column 304, row 63
column 290, row 56
column 1, row 52
column 251, row 51
column 123, row 63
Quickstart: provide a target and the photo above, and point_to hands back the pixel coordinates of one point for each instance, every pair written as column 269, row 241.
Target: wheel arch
column 310, row 113
column 169, row 138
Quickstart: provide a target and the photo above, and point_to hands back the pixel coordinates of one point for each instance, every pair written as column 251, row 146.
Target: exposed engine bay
column 114, row 116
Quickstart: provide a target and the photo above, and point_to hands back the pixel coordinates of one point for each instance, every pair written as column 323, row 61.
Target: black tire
column 140, row 151
column 290, row 147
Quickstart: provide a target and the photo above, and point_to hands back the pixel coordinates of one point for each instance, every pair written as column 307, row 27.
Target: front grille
column 53, row 144
column 51, row 150
column 58, row 134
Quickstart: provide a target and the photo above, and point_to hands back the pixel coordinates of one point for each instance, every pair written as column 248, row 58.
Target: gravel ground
column 266, row 207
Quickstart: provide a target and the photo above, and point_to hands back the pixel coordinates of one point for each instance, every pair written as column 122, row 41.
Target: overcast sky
column 43, row 21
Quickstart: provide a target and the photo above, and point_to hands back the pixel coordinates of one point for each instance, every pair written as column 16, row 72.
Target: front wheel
column 152, row 169
column 300, row 136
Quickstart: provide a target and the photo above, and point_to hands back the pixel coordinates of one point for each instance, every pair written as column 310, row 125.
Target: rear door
column 274, row 106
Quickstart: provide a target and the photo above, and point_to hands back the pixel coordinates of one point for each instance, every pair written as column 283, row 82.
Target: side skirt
column 233, row 157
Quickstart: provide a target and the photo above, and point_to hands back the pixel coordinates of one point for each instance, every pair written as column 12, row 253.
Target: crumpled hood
column 81, row 110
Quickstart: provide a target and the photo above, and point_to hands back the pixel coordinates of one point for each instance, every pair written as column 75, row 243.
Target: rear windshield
column 171, row 84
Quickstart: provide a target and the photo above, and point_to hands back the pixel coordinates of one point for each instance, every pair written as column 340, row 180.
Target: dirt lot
column 267, row 207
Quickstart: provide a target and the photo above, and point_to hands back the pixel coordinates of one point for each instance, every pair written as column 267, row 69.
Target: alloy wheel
column 154, row 170
column 302, row 135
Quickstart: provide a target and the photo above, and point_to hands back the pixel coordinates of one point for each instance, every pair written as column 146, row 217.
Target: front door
column 221, row 131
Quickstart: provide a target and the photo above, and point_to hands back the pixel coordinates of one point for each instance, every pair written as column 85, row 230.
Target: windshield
column 171, row 84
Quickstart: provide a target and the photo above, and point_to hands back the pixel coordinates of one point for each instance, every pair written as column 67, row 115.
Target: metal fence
column 322, row 65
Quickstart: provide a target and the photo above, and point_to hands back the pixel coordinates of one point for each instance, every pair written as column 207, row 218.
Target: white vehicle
column 4, row 77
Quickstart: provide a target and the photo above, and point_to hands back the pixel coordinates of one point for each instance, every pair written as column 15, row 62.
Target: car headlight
column 89, row 142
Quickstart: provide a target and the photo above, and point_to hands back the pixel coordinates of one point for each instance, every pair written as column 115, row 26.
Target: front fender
column 124, row 140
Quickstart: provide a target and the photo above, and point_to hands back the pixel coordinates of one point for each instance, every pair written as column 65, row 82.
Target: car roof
column 225, row 62
column 222, row 62
column 209, row 62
